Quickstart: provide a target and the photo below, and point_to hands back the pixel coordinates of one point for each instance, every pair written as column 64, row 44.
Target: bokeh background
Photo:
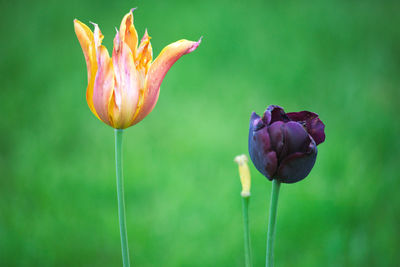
column 58, row 203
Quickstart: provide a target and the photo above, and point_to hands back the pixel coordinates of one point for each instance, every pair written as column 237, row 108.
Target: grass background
column 340, row 59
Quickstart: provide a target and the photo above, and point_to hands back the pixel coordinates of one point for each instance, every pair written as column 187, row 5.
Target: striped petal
column 144, row 53
column 127, row 86
column 104, row 82
column 128, row 32
column 158, row 69
column 86, row 40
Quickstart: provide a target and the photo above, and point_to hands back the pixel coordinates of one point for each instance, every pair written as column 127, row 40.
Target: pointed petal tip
column 98, row 37
column 117, row 40
column 145, row 36
column 133, row 9
column 194, row 46
column 255, row 121
column 254, row 115
column 96, row 27
column 78, row 23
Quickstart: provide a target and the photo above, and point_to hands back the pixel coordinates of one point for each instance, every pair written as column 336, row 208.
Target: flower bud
column 244, row 173
column 283, row 146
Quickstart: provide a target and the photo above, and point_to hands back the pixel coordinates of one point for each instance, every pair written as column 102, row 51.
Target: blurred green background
column 58, row 203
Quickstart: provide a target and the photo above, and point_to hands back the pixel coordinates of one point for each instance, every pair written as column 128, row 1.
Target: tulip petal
column 144, row 54
column 128, row 32
column 267, row 117
column 271, row 164
column 296, row 139
column 315, row 127
column 264, row 159
column 104, row 82
column 274, row 113
column 255, row 122
column 158, row 69
column 298, row 165
column 276, row 134
column 86, row 40
column 260, row 152
column 127, row 86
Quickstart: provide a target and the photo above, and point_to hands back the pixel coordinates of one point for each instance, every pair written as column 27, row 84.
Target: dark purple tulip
column 283, row 145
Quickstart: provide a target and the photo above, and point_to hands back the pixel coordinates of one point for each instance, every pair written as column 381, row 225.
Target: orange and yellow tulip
column 123, row 89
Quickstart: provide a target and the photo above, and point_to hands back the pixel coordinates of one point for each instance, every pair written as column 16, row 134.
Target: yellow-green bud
column 244, row 173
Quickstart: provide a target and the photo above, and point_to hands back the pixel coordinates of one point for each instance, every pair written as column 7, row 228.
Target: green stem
column 120, row 194
column 247, row 244
column 272, row 222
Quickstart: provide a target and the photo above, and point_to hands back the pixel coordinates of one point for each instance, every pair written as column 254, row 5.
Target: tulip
column 283, row 146
column 123, row 89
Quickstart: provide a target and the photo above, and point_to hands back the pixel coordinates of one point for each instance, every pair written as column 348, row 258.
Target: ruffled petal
column 126, row 93
column 86, row 40
column 158, row 69
column 315, row 127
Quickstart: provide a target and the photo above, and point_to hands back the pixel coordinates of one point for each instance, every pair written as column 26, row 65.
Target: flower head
column 244, row 173
column 124, row 88
column 283, row 145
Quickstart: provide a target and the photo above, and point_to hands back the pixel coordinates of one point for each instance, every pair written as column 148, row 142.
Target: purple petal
column 315, row 127
column 255, row 122
column 271, row 164
column 296, row 139
column 297, row 166
column 260, row 148
column 276, row 136
column 267, row 117
column 276, row 114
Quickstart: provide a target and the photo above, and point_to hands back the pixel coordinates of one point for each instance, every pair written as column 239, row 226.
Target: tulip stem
column 247, row 244
column 272, row 222
column 120, row 194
